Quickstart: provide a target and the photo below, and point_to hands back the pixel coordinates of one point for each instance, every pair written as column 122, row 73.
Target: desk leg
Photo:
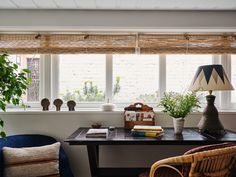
column 93, row 155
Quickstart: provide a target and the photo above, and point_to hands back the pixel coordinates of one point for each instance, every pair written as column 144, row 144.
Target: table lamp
column 210, row 78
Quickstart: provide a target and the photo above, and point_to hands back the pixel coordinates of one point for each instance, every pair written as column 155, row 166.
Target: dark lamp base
column 210, row 122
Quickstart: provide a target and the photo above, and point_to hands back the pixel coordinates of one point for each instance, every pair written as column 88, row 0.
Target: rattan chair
column 211, row 163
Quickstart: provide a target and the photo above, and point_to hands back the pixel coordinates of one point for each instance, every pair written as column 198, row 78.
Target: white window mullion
column 42, row 77
column 109, row 78
column 216, row 59
column 225, row 95
column 55, row 77
column 162, row 74
column 47, row 76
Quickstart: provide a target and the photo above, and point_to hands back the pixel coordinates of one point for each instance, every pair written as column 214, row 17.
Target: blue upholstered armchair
column 31, row 140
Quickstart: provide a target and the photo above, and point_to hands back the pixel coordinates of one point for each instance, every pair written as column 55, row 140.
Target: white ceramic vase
column 178, row 125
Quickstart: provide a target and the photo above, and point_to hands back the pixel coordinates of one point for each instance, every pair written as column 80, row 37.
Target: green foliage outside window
column 116, row 89
column 149, row 98
column 90, row 92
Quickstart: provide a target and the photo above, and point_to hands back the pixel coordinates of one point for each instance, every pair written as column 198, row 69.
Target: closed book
column 146, row 134
column 147, row 128
column 149, row 131
column 97, row 133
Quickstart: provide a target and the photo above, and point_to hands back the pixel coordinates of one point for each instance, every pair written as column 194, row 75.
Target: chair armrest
column 178, row 160
column 166, row 171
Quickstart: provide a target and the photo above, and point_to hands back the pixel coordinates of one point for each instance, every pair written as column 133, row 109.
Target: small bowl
column 108, row 107
column 96, row 125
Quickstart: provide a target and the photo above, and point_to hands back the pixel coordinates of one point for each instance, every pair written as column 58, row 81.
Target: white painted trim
column 85, row 20
column 109, row 78
column 94, row 29
column 216, row 59
column 90, row 111
column 47, row 76
column 41, row 77
column 162, row 74
column 229, row 69
column 55, row 75
column 225, row 95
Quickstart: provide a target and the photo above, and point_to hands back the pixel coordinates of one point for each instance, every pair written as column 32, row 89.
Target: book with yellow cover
column 147, row 131
column 147, row 128
column 147, row 134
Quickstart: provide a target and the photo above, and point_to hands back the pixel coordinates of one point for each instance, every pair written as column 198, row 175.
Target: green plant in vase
column 13, row 85
column 178, row 106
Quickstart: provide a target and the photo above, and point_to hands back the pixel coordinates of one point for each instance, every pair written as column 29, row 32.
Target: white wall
column 61, row 20
column 61, row 124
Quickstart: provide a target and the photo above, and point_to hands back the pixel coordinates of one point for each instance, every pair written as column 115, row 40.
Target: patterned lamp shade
column 209, row 78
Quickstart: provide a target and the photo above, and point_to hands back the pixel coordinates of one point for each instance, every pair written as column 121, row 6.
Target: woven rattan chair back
column 211, row 163
column 214, row 163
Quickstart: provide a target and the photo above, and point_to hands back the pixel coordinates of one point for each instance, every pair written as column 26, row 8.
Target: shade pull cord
column 137, row 49
column 187, row 47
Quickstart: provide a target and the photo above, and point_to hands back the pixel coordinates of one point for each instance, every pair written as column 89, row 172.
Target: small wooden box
column 138, row 114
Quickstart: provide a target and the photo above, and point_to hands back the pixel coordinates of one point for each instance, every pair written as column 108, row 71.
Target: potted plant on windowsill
column 178, row 106
column 13, row 84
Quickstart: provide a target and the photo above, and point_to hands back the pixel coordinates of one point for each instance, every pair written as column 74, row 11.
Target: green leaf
column 179, row 105
column 3, row 134
column 1, row 123
column 15, row 66
column 29, row 80
column 26, row 70
column 2, row 105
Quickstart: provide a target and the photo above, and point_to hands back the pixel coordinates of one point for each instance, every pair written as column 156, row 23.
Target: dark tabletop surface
column 120, row 136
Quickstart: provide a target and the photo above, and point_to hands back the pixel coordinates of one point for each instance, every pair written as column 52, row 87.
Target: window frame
column 49, row 82
column 125, row 104
column 231, row 104
column 55, row 74
column 225, row 102
column 42, row 84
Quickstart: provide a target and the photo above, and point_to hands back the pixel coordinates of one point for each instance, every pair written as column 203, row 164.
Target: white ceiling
column 121, row 4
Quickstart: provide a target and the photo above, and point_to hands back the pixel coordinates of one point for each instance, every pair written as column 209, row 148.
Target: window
column 82, row 77
column 89, row 79
column 233, row 78
column 135, row 78
column 32, row 62
column 180, row 70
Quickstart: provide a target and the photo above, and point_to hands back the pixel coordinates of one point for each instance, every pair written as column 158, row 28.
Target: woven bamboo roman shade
column 118, row 43
column 67, row 43
column 188, row 43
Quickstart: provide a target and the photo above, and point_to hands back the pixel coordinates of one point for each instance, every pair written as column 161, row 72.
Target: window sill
column 33, row 111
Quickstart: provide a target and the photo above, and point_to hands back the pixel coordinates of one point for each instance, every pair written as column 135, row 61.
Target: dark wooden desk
column 121, row 136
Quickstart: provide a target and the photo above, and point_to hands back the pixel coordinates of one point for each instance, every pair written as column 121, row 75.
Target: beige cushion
column 32, row 161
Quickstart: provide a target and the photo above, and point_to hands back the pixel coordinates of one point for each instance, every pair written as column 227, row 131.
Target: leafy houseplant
column 13, row 84
column 178, row 106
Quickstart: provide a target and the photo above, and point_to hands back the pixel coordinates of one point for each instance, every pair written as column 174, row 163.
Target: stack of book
column 147, row 131
column 97, row 133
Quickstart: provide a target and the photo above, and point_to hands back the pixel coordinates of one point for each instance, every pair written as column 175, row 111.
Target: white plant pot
column 178, row 125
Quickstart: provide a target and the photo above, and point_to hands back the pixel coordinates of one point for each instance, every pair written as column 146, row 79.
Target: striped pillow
column 32, row 161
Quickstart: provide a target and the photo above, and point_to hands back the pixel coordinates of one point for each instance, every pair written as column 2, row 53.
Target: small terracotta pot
column 178, row 125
